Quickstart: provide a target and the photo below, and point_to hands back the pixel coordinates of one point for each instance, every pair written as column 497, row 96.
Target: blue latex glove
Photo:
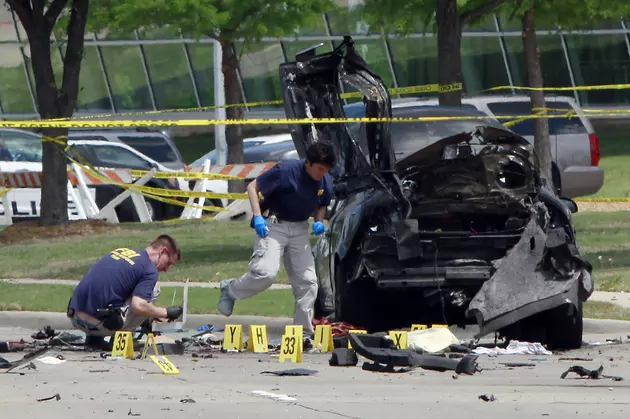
column 318, row 228
column 260, row 225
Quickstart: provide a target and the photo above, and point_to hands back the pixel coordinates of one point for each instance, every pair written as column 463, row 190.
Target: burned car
column 461, row 230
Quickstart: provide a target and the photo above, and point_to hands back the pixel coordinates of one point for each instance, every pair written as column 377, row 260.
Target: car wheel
column 566, row 327
column 354, row 301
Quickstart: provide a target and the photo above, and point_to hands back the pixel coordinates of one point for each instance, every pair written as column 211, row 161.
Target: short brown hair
column 167, row 241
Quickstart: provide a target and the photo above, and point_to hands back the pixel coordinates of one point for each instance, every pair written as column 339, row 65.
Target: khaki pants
column 93, row 327
column 289, row 242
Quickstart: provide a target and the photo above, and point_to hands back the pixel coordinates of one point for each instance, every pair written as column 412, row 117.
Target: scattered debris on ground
column 32, row 231
column 56, row 397
column 515, row 348
column 590, row 374
column 487, row 398
column 293, row 372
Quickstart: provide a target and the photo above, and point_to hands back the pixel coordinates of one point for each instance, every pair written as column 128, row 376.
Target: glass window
column 7, row 30
column 552, row 61
column 164, row 32
column 259, row 70
column 111, row 156
column 202, row 59
column 15, row 96
column 93, row 94
column 293, row 47
column 170, row 76
column 126, row 77
column 482, row 64
column 153, row 146
column 557, row 126
column 415, row 61
column 600, row 59
column 314, row 27
column 348, row 21
column 22, row 147
column 374, row 53
column 484, row 24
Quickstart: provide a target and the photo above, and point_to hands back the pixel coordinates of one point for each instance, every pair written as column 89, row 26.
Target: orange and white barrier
column 81, row 178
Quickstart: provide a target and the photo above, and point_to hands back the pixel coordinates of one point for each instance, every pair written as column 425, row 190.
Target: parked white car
column 22, row 151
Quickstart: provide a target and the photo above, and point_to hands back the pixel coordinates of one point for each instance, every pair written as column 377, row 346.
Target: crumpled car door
column 310, row 87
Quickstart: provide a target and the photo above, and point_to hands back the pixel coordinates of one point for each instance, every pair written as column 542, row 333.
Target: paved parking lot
column 225, row 386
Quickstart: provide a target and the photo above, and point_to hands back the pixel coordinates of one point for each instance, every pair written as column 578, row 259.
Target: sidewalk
column 622, row 299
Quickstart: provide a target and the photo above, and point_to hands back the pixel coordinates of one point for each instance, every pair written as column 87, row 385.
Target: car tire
column 566, row 327
column 354, row 302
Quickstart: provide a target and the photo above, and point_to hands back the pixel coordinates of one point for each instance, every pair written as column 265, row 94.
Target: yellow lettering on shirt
column 320, row 192
column 125, row 254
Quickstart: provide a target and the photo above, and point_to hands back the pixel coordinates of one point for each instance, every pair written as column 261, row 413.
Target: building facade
column 160, row 70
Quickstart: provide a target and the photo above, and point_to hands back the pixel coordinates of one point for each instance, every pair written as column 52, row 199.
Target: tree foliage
column 566, row 14
column 226, row 21
column 54, row 99
column 447, row 18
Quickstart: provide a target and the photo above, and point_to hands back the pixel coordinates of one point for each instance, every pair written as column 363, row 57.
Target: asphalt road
column 224, row 387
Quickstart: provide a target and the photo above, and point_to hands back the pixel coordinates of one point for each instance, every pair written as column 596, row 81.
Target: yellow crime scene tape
column 185, row 175
column 253, row 121
column 151, row 192
column 425, row 88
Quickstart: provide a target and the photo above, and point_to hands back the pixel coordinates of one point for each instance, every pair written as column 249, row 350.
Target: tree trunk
column 535, row 78
column 233, row 133
column 54, row 191
column 53, row 102
column 449, row 36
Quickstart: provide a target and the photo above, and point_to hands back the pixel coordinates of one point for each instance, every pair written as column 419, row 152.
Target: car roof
column 119, row 145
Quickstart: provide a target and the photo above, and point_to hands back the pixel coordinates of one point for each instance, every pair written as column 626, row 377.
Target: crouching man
column 119, row 291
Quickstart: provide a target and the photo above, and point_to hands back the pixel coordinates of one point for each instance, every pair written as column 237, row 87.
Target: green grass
column 19, row 297
column 606, row 235
column 211, row 251
column 602, row 310
column 614, row 140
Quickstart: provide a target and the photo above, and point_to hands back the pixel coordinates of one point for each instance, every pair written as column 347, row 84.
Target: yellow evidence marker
column 415, row 327
column 298, row 332
column 399, row 337
column 123, row 345
column 150, row 341
column 362, row 332
column 165, row 365
column 324, row 338
column 257, row 339
column 233, row 337
column 291, row 348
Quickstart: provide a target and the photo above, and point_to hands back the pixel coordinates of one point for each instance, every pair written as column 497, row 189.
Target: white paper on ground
column 281, row 397
column 51, row 360
column 515, row 348
column 433, row 340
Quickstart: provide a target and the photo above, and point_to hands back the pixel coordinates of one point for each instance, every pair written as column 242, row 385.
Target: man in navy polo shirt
column 118, row 292
column 292, row 191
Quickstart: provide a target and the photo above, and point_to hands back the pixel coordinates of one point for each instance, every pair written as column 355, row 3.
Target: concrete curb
column 36, row 320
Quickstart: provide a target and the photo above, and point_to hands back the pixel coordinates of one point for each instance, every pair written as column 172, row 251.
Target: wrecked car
column 462, row 230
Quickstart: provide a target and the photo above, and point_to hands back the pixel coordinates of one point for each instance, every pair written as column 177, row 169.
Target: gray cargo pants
column 287, row 241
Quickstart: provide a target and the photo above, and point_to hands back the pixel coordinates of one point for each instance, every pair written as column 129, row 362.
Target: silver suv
column 574, row 143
